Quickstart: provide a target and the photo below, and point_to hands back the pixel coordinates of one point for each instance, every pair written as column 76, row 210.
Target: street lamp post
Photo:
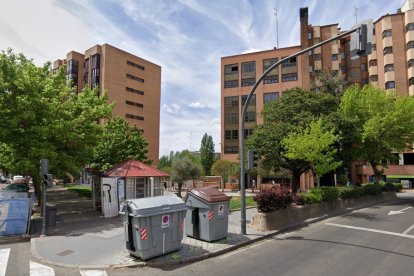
column 242, row 125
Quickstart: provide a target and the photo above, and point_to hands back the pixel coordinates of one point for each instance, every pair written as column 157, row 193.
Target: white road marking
column 93, row 273
column 4, row 258
column 408, row 229
column 371, row 230
column 40, row 270
column 398, row 212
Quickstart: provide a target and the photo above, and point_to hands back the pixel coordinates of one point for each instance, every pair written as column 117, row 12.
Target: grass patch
column 235, row 202
column 85, row 191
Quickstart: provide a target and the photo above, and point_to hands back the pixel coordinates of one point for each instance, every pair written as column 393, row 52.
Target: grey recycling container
column 153, row 226
column 207, row 214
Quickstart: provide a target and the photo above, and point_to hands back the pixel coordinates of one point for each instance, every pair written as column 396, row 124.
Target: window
column 95, row 69
column 232, row 118
column 386, row 33
column 130, row 116
column 231, row 134
column 373, row 62
column 334, row 57
column 272, row 76
column 139, row 187
column 410, row 45
column 231, row 75
column 389, row 85
column 252, row 100
column 248, row 73
column 309, row 35
column 342, row 55
column 247, row 133
column 316, row 57
column 231, row 150
column 250, row 117
column 290, row 77
column 388, row 68
column 373, row 78
column 86, row 70
column 271, row 96
column 374, row 47
column 409, row 27
column 231, row 101
column 411, row 81
column 410, row 63
column 289, row 63
column 135, row 65
column 134, row 104
column 129, row 89
column 387, row 50
column 363, row 67
column 72, row 72
column 129, row 76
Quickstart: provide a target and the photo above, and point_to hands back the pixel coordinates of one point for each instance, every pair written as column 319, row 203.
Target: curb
column 15, row 238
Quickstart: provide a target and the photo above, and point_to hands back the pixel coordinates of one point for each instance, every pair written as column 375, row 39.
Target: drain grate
column 66, row 252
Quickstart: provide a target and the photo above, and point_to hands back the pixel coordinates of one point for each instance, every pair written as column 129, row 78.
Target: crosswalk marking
column 4, row 258
column 93, row 273
column 40, row 270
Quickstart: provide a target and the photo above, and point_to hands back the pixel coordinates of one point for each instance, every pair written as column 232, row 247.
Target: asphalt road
column 369, row 241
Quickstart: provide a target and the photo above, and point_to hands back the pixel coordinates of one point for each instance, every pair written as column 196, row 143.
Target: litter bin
column 153, row 226
column 50, row 215
column 207, row 214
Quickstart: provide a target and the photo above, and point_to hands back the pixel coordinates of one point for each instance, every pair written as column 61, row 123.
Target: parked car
column 18, row 187
column 3, row 179
column 18, row 177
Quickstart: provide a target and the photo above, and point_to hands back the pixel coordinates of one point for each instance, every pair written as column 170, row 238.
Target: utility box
column 154, row 225
column 207, row 214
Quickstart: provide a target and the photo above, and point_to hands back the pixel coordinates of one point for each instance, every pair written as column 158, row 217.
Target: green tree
column 207, row 153
column 291, row 112
column 223, row 168
column 119, row 142
column 166, row 162
column 43, row 118
column 328, row 81
column 382, row 123
column 183, row 169
column 314, row 144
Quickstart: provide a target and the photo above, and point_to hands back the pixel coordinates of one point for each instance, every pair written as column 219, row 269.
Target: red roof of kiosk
column 134, row 168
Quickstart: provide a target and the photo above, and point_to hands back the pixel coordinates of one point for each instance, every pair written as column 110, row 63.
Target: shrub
column 269, row 200
column 313, row 196
column 329, row 193
column 350, row 192
column 298, row 199
column 391, row 187
column 372, row 189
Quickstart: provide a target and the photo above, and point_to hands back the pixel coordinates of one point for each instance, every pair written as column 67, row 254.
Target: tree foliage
column 314, row 144
column 224, row 168
column 328, row 81
column 183, row 168
column 381, row 124
column 119, row 142
column 43, row 118
column 293, row 111
column 207, row 153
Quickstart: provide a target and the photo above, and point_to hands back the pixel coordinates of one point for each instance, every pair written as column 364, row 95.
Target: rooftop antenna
column 277, row 30
column 356, row 15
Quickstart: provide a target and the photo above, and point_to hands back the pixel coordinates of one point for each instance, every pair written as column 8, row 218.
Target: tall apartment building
column 131, row 82
column 389, row 66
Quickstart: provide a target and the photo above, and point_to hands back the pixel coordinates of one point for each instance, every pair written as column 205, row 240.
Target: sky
column 187, row 38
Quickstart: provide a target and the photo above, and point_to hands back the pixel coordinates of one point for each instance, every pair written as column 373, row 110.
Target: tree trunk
column 377, row 173
column 295, row 181
column 37, row 184
column 180, row 184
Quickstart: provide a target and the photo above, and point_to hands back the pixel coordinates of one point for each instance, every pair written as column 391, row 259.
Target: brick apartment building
column 132, row 83
column 389, row 66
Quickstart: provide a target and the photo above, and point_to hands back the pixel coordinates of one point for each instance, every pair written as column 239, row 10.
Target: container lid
column 150, row 206
column 210, row 194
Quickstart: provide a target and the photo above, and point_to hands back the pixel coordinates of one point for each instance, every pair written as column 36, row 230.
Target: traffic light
column 48, row 179
column 362, row 39
column 252, row 160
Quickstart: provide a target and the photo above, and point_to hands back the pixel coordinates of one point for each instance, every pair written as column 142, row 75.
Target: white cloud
column 197, row 105
column 171, row 109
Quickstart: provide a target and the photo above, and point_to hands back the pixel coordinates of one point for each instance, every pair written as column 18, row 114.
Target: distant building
column 133, row 83
column 389, row 66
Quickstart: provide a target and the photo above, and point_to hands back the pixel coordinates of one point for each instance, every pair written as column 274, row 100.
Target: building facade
column 132, row 83
column 389, row 66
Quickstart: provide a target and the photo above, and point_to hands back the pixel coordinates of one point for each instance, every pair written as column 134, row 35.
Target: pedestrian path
column 37, row 269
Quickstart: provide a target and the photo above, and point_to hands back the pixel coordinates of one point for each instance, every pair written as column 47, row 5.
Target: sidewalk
column 84, row 238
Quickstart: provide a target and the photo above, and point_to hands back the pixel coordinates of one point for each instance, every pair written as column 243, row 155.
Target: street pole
column 242, row 125
column 44, row 170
